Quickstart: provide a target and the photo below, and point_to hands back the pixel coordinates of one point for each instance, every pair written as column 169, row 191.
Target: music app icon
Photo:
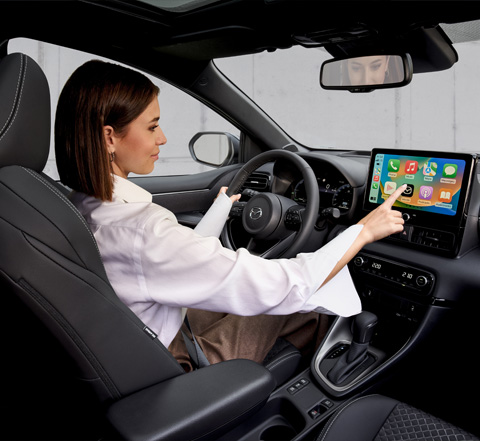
column 411, row 167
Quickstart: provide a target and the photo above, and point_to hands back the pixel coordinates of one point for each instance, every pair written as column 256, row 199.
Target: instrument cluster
column 334, row 189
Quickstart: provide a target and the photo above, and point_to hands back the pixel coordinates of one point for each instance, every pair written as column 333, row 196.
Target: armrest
column 202, row 404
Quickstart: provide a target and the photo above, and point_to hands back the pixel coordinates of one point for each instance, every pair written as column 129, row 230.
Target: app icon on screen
column 408, row 192
column 445, row 195
column 393, row 165
column 411, row 167
column 375, row 185
column 390, row 187
column 450, row 170
column 430, row 169
column 426, row 192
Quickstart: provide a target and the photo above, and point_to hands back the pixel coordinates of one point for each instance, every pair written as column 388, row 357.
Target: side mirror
column 216, row 149
column 364, row 74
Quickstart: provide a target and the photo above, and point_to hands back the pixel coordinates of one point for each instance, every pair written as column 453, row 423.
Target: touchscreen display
column 433, row 183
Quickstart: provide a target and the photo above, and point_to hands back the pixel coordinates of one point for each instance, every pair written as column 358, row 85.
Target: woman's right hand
column 383, row 221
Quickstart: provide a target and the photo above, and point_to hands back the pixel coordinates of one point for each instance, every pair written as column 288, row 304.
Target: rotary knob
column 358, row 261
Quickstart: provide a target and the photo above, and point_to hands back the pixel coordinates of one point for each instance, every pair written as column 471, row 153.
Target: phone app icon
column 430, row 169
column 426, row 192
column 408, row 192
column 450, row 170
column 445, row 195
column 375, row 185
column 393, row 165
column 411, row 167
column 390, row 187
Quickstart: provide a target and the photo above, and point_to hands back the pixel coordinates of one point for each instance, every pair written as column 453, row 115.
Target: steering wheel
column 269, row 217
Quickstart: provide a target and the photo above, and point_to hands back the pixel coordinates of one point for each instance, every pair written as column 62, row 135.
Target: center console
column 401, row 292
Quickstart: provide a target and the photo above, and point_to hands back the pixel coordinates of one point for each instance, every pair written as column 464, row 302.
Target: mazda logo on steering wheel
column 256, row 213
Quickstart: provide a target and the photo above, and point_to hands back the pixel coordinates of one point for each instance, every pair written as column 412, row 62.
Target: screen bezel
column 420, row 217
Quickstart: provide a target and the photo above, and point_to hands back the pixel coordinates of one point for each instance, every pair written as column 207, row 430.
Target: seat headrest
column 24, row 113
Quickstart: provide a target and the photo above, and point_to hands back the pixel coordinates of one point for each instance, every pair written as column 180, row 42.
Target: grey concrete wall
column 435, row 112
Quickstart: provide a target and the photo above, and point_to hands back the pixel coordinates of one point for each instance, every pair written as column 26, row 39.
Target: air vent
column 442, row 240
column 257, row 181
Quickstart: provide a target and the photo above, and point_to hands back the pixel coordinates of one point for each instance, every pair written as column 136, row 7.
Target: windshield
column 437, row 111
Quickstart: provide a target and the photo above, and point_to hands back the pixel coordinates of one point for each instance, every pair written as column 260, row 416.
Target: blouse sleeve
column 205, row 275
column 215, row 218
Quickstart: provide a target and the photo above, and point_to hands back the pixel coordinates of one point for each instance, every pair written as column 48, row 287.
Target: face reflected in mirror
column 368, row 70
column 364, row 74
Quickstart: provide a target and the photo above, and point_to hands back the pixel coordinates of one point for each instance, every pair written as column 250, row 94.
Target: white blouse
column 157, row 266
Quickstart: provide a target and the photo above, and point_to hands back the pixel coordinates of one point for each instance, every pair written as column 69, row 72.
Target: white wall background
column 435, row 112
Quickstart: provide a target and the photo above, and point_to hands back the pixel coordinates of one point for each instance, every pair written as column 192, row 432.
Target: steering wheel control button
column 293, row 218
column 237, row 209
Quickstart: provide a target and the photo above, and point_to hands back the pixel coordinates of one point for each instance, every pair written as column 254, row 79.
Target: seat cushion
column 379, row 418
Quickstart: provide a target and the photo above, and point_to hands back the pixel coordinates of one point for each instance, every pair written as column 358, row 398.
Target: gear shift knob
column 363, row 327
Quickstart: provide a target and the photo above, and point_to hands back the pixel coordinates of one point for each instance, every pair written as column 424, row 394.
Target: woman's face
column 137, row 150
column 367, row 70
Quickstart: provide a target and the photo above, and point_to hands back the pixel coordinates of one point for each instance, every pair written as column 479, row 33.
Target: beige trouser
column 227, row 336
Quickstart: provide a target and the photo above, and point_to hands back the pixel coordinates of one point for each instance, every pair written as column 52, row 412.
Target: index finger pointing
column 394, row 196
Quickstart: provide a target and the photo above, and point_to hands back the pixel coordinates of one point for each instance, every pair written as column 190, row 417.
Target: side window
column 181, row 116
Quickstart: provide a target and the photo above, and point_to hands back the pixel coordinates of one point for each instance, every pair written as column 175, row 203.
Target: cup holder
column 280, row 432
column 278, row 420
column 281, row 421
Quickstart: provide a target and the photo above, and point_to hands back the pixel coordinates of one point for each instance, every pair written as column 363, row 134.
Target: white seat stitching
column 18, row 97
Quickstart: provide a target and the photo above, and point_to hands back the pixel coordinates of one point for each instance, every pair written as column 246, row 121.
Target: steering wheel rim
column 291, row 245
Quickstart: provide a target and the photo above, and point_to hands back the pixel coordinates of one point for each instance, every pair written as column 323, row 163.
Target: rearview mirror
column 364, row 74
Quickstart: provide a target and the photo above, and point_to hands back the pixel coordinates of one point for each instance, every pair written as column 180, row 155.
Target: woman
column 107, row 127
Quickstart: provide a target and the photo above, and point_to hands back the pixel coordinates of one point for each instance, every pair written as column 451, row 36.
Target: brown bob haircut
column 96, row 95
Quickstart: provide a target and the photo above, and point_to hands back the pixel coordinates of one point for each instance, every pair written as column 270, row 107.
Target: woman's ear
column 109, row 134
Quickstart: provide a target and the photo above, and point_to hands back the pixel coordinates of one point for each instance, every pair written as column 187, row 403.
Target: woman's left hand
column 233, row 198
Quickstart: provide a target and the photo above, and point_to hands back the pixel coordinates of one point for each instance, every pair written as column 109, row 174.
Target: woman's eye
column 153, row 128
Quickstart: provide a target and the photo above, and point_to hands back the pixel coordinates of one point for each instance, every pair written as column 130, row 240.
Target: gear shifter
column 363, row 328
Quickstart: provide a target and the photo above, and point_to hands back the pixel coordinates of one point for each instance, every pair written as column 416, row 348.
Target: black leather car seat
column 379, row 418
column 49, row 260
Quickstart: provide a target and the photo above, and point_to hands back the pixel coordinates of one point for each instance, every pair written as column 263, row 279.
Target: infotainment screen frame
column 438, row 184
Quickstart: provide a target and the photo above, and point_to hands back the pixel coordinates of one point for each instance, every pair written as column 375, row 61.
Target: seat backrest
column 49, row 257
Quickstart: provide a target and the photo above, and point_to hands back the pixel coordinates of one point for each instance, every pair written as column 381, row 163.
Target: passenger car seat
column 49, row 260
column 379, row 418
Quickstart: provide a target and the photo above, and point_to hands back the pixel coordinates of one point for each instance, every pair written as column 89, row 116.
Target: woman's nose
column 161, row 139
